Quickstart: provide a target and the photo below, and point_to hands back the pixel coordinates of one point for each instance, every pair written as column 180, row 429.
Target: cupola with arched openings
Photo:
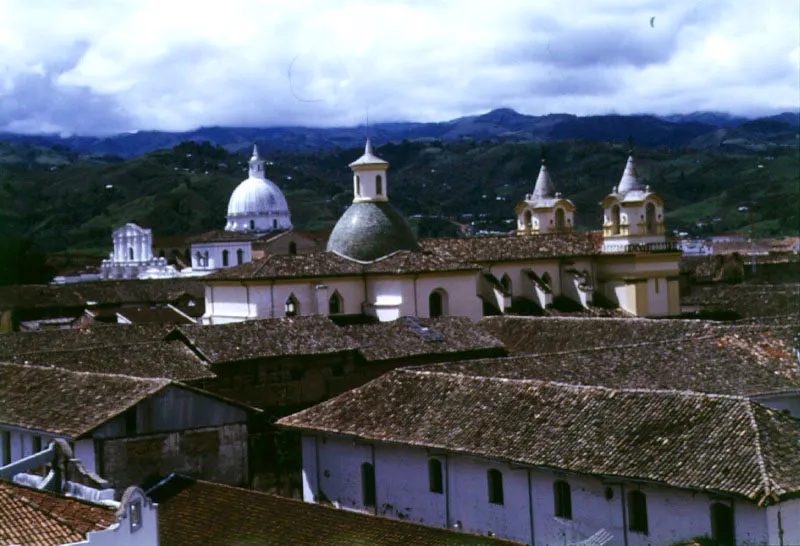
column 545, row 210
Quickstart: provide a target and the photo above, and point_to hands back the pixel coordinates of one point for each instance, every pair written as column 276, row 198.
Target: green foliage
column 70, row 202
column 22, row 262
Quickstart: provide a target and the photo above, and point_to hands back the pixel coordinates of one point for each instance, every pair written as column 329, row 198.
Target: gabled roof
column 291, row 336
column 501, row 248
column 155, row 359
column 18, row 343
column 32, row 517
column 696, row 441
column 190, row 515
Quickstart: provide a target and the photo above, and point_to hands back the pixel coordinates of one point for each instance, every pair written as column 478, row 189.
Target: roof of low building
column 159, row 359
column 19, row 343
column 370, row 230
column 500, row 248
column 222, row 236
column 307, row 335
column 746, row 300
column 191, row 516
column 412, row 336
column 690, row 440
column 32, row 517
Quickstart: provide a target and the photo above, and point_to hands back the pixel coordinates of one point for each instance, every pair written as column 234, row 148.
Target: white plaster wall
column 229, row 301
column 368, row 186
column 308, row 446
column 21, row 442
column 352, row 292
column 462, row 294
column 340, row 463
column 783, row 522
column 751, row 525
column 121, row 534
column 215, row 254
column 658, row 300
column 83, row 450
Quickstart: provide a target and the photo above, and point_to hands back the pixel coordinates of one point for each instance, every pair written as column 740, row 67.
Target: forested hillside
column 67, row 201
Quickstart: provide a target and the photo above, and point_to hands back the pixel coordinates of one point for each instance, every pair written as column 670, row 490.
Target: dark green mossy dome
column 370, row 230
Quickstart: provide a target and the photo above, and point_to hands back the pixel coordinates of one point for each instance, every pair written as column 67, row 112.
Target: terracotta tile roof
column 502, row 248
column 252, row 518
column 67, row 402
column 170, row 360
column 30, row 517
column 311, row 335
column 328, row 264
column 746, row 300
column 103, row 292
column 411, row 336
column 697, row 441
column 62, row 340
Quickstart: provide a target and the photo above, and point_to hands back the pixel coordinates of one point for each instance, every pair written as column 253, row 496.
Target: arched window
column 546, row 279
column 495, row 481
column 358, row 186
column 437, row 303
column 130, row 253
column 528, row 223
column 274, row 223
column 507, row 285
column 637, row 512
column 561, row 222
column 225, row 258
column 368, row 484
column 722, row 529
column 292, row 248
column 562, row 497
column 435, row 481
column 615, row 220
column 378, row 185
column 239, row 256
column 252, row 224
column 650, row 218
column 335, row 304
column 291, row 307
column 198, row 259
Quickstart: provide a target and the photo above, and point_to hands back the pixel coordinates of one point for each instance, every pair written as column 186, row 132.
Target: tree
column 23, row 262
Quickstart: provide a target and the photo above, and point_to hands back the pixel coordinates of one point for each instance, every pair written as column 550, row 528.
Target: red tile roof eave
column 522, row 464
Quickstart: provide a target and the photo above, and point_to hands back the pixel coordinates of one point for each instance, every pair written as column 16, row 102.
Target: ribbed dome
column 371, row 230
column 257, row 197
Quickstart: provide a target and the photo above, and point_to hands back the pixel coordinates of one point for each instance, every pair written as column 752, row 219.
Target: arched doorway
column 722, row 528
column 335, row 304
column 437, row 303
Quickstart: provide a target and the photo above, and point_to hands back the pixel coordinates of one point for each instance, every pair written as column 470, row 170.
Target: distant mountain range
column 704, row 130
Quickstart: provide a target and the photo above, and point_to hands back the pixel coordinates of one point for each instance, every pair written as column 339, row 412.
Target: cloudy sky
column 106, row 66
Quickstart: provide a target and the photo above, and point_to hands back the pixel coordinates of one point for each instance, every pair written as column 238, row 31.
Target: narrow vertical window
column 658, row 288
column 378, row 185
column 130, row 422
column 252, row 224
column 561, row 222
column 292, row 306
column 495, row 482
column 615, row 221
column 130, row 253
column 335, row 304
column 6, row 439
column 205, row 259
column 225, row 258
column 435, row 481
column 507, row 284
column 274, row 223
column 358, row 186
column 637, row 512
column 37, row 444
column 368, row 484
column 240, row 256
column 135, row 511
column 437, row 303
column 562, row 497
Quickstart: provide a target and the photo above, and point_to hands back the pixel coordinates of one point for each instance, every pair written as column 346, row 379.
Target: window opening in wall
column 615, row 220
column 437, row 303
column 291, row 307
column 135, row 512
column 358, row 186
column 561, row 222
column 435, row 481
column 130, row 254
column 658, row 288
column 205, row 258
column 722, row 528
column 528, row 220
column 225, row 257
column 506, row 282
column 368, row 484
column 562, row 497
column 609, row 493
column 274, row 223
column 239, row 256
column 335, row 304
column 37, row 444
column 650, row 221
column 292, row 248
column 252, row 224
column 495, row 482
column 6, row 437
column 130, row 422
column 637, row 512
column 378, row 185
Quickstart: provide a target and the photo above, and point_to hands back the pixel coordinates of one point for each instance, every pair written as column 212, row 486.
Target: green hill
column 66, row 201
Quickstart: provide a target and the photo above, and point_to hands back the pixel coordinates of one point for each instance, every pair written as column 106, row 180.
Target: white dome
column 257, row 204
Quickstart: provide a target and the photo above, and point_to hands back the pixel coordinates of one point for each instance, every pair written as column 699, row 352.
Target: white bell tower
column 369, row 177
column 545, row 210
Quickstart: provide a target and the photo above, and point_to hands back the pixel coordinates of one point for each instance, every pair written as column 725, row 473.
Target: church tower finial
column 256, row 165
column 369, row 176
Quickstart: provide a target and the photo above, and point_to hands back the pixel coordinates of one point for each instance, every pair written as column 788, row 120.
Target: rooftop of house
column 411, row 336
column 154, row 359
column 329, row 264
column 63, row 340
column 102, row 292
column 32, row 517
column 722, row 443
column 311, row 335
column 502, row 248
column 222, row 236
column 746, row 300
column 149, row 314
column 189, row 514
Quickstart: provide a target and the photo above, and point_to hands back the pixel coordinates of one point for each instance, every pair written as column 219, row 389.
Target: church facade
column 375, row 266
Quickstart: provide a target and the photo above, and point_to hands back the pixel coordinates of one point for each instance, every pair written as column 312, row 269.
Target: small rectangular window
column 435, row 480
column 131, row 422
column 637, row 512
column 658, row 288
column 368, row 484
column 37, row 444
column 6, row 447
column 495, row 479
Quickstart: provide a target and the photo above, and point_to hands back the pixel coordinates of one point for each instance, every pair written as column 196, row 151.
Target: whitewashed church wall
column 752, row 525
column 352, row 292
column 657, row 297
column 215, row 251
column 229, row 301
column 783, row 522
column 340, row 463
column 461, row 290
column 84, row 451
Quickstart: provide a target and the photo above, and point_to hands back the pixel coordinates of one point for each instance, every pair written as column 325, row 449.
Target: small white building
column 132, row 257
column 492, row 453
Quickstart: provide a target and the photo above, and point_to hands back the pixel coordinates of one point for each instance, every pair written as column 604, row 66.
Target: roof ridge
column 102, row 346
column 81, row 372
column 762, row 466
column 578, row 386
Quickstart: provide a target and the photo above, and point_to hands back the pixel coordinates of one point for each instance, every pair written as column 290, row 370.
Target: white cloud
column 106, row 66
